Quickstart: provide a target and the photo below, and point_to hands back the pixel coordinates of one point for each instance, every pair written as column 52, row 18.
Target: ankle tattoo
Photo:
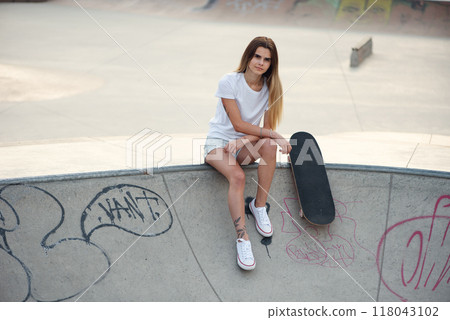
column 240, row 230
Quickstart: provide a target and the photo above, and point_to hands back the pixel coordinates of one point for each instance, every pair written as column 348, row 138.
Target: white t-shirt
column 252, row 105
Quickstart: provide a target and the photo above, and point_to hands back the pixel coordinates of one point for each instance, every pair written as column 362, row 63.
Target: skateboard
column 311, row 180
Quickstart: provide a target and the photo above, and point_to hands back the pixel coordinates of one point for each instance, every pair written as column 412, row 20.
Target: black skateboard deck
column 311, row 180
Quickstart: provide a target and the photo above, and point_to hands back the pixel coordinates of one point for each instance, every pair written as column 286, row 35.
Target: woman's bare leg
column 226, row 164
column 266, row 150
column 266, row 170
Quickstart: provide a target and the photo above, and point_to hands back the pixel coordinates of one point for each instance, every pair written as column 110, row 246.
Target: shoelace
column 246, row 250
column 263, row 218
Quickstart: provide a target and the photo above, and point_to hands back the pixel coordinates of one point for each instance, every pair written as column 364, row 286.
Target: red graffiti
column 322, row 246
column 418, row 268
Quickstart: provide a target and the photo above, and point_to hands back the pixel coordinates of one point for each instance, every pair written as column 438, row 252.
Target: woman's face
column 260, row 62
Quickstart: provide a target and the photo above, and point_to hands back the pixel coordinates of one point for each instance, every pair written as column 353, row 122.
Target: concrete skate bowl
column 427, row 18
column 126, row 236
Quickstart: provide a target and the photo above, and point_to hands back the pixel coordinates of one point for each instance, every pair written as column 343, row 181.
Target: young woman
column 235, row 138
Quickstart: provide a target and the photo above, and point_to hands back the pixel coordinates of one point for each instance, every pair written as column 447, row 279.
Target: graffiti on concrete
column 421, row 259
column 44, row 263
column 208, row 5
column 129, row 208
column 352, row 10
column 331, row 246
column 246, row 6
column 394, row 13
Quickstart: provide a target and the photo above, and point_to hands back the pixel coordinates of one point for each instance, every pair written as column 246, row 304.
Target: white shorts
column 214, row 143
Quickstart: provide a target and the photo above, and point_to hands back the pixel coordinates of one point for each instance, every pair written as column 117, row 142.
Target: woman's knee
column 237, row 178
column 268, row 149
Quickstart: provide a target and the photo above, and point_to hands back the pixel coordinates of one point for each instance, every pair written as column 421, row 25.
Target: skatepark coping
column 187, row 168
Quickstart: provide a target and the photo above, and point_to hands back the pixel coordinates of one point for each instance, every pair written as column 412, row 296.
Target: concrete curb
column 204, row 167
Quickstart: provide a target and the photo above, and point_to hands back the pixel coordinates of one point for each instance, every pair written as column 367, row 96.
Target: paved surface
column 76, row 85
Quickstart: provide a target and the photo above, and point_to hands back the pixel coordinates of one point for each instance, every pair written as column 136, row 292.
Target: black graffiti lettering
column 2, row 219
column 114, row 208
column 108, row 212
column 113, row 212
column 118, row 207
column 109, row 208
column 157, row 214
column 133, row 206
column 129, row 208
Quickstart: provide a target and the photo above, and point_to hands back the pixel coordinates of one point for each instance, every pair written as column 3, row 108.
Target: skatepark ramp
column 427, row 18
column 126, row 236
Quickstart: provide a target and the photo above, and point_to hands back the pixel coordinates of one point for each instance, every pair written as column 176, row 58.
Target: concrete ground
column 92, row 89
column 80, row 79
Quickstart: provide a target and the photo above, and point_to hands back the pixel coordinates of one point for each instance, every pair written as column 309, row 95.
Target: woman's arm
column 234, row 145
column 252, row 132
column 234, row 115
column 278, row 138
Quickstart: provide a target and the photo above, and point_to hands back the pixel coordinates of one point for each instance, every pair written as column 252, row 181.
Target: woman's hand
column 282, row 142
column 234, row 145
column 285, row 145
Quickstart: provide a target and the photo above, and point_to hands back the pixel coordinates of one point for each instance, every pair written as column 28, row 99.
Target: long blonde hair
column 273, row 80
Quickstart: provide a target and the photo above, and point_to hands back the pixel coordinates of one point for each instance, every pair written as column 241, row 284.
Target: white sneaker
column 263, row 224
column 245, row 258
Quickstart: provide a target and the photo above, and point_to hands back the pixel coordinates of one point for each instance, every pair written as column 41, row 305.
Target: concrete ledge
column 394, row 170
column 360, row 52
column 72, row 176
column 205, row 167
